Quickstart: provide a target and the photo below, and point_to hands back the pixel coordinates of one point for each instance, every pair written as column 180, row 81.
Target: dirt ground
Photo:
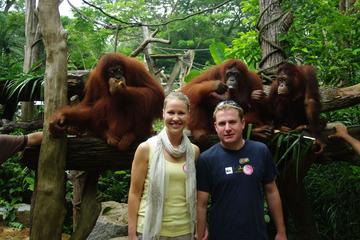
column 19, row 234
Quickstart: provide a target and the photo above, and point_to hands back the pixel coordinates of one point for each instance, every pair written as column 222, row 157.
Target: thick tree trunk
column 272, row 22
column 90, row 207
column 345, row 5
column 49, row 205
column 27, row 111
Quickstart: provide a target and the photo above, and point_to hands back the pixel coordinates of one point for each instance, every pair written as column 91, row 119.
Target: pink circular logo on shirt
column 185, row 167
column 248, row 169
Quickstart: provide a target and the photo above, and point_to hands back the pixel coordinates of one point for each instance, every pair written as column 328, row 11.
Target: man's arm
column 201, row 208
column 274, row 203
column 34, row 139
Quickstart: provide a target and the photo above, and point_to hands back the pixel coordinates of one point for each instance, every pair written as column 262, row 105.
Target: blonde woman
column 162, row 195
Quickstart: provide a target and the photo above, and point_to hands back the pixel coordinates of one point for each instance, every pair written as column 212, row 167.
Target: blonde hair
column 228, row 104
column 178, row 95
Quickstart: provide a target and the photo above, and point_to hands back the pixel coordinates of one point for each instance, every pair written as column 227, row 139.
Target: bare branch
column 108, row 15
column 147, row 41
column 105, row 25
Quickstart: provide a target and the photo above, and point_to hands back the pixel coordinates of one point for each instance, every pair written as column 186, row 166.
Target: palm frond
column 290, row 146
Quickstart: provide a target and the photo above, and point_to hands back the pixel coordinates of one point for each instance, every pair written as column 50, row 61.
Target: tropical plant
column 11, row 44
column 114, row 185
column 334, row 190
column 324, row 37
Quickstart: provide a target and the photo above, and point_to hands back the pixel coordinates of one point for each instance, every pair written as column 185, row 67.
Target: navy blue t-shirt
column 235, row 180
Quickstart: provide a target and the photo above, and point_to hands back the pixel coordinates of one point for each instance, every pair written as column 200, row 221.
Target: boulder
column 112, row 222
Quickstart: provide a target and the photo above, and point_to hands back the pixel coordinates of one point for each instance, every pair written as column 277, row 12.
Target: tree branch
column 139, row 24
column 147, row 41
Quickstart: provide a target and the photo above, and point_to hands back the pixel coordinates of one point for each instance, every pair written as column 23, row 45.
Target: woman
column 161, row 202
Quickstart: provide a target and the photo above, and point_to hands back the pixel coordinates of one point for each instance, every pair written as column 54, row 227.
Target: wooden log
column 87, row 154
column 91, row 154
column 27, row 126
column 333, row 98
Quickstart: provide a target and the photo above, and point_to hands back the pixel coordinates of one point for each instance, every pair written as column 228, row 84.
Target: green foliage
column 192, row 74
column 324, row 37
column 246, row 48
column 349, row 116
column 16, row 186
column 9, row 215
column 290, row 146
column 11, row 44
column 22, row 83
column 115, row 185
column 86, row 42
column 335, row 192
column 219, row 25
column 16, row 182
column 295, row 143
column 158, row 125
column 217, row 52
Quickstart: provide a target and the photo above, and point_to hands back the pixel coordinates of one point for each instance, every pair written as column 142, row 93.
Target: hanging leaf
column 217, row 51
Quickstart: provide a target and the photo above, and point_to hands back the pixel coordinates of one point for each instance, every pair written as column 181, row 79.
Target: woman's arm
column 138, row 175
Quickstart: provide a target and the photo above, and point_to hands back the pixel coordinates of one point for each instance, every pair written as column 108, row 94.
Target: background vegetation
column 321, row 35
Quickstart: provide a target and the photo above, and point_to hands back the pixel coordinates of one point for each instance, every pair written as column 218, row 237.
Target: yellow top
column 176, row 217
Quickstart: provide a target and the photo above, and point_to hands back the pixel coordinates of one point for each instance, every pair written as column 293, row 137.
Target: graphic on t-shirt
column 248, row 169
column 244, row 166
column 228, row 170
column 244, row 160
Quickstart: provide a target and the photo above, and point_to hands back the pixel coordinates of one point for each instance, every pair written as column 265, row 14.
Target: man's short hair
column 228, row 104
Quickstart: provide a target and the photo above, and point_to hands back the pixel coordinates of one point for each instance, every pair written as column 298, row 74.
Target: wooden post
column 187, row 62
column 49, row 205
column 147, row 51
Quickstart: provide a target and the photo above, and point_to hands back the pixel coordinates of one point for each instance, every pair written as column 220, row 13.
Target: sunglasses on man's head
column 230, row 103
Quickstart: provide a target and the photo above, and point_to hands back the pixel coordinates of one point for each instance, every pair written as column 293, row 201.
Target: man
column 236, row 173
column 11, row 144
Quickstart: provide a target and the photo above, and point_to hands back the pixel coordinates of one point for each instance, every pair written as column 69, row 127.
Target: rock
column 112, row 222
column 22, row 214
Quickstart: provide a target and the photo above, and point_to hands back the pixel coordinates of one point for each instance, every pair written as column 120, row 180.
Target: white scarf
column 157, row 183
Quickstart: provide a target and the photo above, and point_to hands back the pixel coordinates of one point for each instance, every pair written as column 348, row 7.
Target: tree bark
column 27, row 126
column 333, row 98
column 271, row 23
column 49, row 205
column 345, row 5
column 8, row 5
column 90, row 207
column 32, row 52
